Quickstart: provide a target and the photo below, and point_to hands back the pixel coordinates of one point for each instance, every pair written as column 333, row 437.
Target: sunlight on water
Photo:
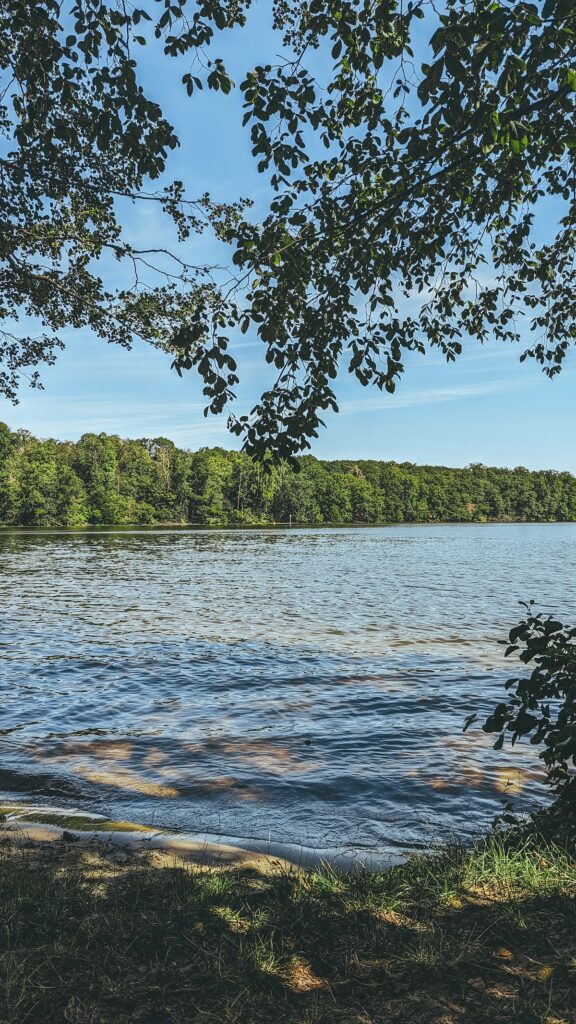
column 306, row 685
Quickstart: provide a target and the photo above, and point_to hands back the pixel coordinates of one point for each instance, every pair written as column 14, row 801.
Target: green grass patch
column 98, row 935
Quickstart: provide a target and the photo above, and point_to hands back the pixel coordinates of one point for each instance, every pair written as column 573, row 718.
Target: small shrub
column 542, row 705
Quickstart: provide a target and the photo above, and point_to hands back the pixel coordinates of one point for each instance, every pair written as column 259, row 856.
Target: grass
column 98, row 935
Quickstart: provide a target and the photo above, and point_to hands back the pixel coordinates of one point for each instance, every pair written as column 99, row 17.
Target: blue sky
column 485, row 408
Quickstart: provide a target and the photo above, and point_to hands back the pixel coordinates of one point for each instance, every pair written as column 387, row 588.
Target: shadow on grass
column 98, row 935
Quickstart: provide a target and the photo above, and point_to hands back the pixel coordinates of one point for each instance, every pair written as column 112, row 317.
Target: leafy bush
column 542, row 706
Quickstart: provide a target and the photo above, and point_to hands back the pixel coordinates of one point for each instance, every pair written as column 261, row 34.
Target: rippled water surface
column 307, row 685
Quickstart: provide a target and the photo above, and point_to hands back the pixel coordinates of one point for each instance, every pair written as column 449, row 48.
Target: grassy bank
column 100, row 935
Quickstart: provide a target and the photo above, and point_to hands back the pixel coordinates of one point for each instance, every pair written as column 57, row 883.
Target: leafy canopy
column 421, row 164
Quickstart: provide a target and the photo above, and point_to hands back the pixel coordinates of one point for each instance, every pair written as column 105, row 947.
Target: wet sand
column 45, row 825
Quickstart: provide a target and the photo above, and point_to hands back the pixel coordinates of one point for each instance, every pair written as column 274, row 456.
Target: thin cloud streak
column 432, row 396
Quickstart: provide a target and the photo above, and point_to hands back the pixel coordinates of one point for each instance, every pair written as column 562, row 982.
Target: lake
column 304, row 685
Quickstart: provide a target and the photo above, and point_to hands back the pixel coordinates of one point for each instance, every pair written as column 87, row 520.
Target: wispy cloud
column 69, row 418
column 427, row 396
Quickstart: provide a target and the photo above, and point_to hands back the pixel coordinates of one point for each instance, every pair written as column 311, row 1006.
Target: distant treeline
column 103, row 479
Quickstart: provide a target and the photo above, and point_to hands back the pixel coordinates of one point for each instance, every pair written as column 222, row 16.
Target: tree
column 95, row 461
column 433, row 170
column 36, row 492
column 295, row 500
column 210, row 482
column 7, row 489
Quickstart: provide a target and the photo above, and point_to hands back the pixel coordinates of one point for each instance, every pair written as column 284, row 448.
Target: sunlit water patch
column 303, row 686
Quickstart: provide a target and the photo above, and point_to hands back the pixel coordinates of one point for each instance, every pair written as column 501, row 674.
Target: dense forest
column 103, row 479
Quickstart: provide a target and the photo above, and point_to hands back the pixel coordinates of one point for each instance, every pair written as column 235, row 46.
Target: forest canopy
column 105, row 480
column 418, row 168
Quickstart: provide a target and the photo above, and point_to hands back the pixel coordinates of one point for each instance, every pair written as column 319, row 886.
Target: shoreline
column 281, row 526
column 102, row 931
column 48, row 825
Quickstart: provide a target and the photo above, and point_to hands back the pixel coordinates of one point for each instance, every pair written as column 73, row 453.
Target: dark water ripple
column 308, row 686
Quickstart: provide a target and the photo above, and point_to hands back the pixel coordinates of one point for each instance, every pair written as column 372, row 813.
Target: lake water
column 303, row 686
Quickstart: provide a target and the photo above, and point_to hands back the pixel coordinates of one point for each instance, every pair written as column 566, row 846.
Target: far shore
column 237, row 527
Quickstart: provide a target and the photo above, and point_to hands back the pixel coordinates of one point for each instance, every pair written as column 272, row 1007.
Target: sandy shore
column 48, row 825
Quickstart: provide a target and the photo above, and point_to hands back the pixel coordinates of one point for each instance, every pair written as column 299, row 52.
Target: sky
column 487, row 407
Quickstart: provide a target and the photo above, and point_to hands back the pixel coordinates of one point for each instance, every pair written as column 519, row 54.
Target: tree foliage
column 79, row 137
column 542, row 706
column 103, row 479
column 421, row 166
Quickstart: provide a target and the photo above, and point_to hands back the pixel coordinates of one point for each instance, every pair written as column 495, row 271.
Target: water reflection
column 309, row 685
